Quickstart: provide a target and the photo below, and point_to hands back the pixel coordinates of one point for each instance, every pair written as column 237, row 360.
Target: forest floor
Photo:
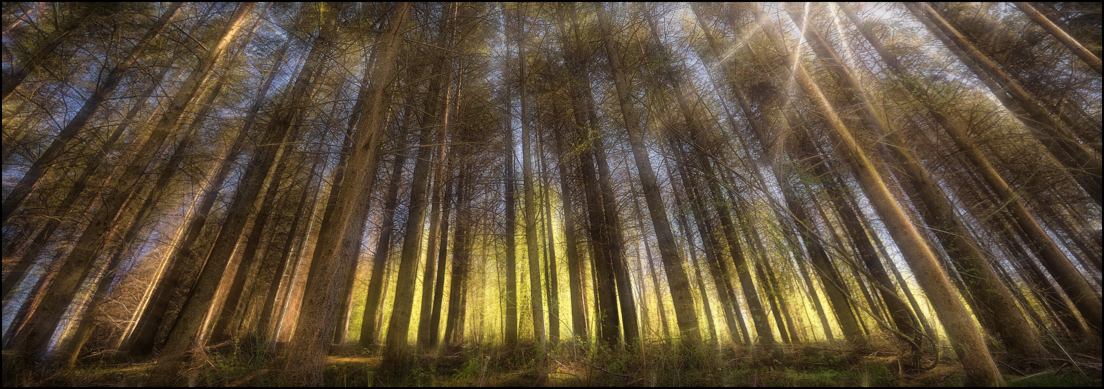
column 818, row 364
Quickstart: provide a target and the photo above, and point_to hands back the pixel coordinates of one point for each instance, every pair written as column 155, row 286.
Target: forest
column 551, row 194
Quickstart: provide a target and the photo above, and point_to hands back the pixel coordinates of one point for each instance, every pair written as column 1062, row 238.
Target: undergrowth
column 574, row 363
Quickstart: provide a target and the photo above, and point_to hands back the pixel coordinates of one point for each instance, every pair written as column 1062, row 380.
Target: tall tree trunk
column 614, row 239
column 103, row 92
column 678, row 284
column 303, row 210
column 511, row 336
column 755, row 307
column 230, row 311
column 428, row 277
column 536, row 300
column 685, row 227
column 964, row 335
column 372, row 303
column 1079, row 160
column 551, row 263
column 461, row 254
column 69, row 351
column 434, row 325
column 604, row 283
column 898, row 310
column 571, row 248
column 42, row 53
column 1080, row 51
column 34, row 297
column 186, row 336
column 402, row 309
column 182, row 257
column 31, row 253
column 725, row 292
column 651, row 268
column 443, row 65
column 79, row 262
column 982, row 283
column 1041, row 243
column 306, row 354
column 605, row 286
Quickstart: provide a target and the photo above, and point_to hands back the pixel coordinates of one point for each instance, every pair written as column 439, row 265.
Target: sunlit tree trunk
column 186, row 337
column 964, row 335
column 79, row 262
column 443, row 65
column 685, row 227
column 434, row 324
column 1079, row 160
column 304, row 210
column 68, row 352
column 536, row 300
column 896, row 307
column 614, row 239
column 340, row 330
column 230, row 311
column 20, row 71
column 306, row 353
column 651, row 267
column 676, row 276
column 726, row 293
column 604, row 285
column 183, row 256
column 34, row 297
column 552, row 285
column 740, row 260
column 461, row 256
column 402, row 308
column 775, row 121
column 571, row 248
column 992, row 298
column 15, row 276
column 1080, row 51
column 103, row 92
column 1036, row 279
column 429, row 276
column 369, row 327
column 1044, row 247
column 511, row 336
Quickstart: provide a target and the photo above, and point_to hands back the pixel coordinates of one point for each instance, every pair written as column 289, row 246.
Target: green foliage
column 663, row 362
column 1067, row 377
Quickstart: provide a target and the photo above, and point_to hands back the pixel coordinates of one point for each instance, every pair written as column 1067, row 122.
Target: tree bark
column 79, row 262
column 571, row 249
column 511, row 336
column 684, row 226
column 103, row 92
column 678, row 284
column 725, row 292
column 461, row 254
column 372, row 303
column 536, row 300
column 69, row 351
column 182, row 257
column 964, row 335
column 552, row 285
column 1080, row 51
column 402, row 308
column 1079, row 160
column 442, row 254
column 41, row 54
column 305, row 357
column 34, row 249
